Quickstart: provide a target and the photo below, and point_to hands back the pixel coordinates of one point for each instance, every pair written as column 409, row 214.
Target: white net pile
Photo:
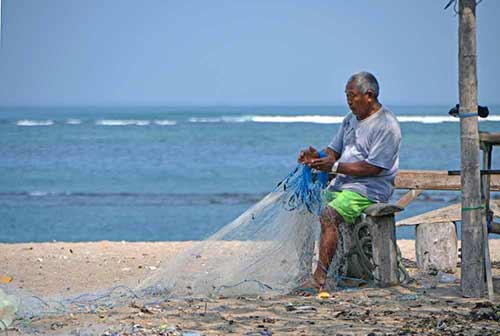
column 267, row 250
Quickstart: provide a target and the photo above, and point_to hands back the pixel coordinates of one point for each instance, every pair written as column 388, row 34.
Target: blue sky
column 160, row 52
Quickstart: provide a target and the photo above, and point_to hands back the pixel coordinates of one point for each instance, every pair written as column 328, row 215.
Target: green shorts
column 347, row 203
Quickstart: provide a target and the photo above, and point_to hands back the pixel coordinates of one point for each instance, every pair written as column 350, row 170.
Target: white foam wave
column 38, row 193
column 439, row 119
column 491, row 118
column 117, row 122
column 316, row 119
column 73, row 121
column 34, row 123
column 227, row 119
column 427, row 119
column 271, row 119
column 165, row 122
column 205, row 120
column 321, row 119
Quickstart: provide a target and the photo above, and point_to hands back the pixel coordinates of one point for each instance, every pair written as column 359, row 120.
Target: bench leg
column 384, row 248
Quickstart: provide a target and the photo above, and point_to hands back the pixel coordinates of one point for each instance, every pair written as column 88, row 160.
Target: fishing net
column 268, row 250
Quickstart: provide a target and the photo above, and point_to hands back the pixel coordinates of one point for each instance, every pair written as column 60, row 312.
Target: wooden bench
column 436, row 243
column 435, row 232
column 436, row 237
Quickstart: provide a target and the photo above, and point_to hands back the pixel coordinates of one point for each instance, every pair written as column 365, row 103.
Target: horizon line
column 187, row 105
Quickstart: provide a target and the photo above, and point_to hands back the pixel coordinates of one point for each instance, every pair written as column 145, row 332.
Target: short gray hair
column 365, row 81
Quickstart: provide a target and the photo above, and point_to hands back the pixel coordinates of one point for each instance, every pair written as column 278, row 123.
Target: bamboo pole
column 472, row 267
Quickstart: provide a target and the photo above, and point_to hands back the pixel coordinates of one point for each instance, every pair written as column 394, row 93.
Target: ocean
column 180, row 173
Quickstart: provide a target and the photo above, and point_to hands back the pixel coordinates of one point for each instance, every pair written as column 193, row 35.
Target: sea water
column 180, row 173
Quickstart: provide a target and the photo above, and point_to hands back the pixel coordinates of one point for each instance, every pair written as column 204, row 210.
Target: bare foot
column 319, row 277
column 308, row 288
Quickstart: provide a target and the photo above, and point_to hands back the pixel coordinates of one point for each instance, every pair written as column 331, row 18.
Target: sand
column 423, row 307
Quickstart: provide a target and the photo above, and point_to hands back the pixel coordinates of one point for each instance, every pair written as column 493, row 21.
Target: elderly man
column 364, row 155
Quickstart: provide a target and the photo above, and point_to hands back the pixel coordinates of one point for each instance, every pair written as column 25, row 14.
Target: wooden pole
column 472, row 267
column 485, row 183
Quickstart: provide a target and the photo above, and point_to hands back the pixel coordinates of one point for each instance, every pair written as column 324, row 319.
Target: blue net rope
column 304, row 187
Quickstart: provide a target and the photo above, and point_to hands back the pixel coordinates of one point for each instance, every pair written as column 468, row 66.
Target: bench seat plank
column 435, row 180
column 450, row 213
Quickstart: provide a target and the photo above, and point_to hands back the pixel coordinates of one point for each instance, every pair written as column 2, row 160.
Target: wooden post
column 380, row 218
column 472, row 271
column 436, row 246
column 485, row 182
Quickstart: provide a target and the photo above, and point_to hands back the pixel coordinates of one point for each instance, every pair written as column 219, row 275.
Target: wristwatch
column 335, row 167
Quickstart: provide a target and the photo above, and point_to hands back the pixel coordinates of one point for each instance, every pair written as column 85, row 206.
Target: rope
column 463, row 115
column 479, row 207
column 263, row 286
column 304, row 189
column 82, row 301
column 363, row 250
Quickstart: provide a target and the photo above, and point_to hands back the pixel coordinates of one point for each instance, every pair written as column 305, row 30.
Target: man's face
column 358, row 102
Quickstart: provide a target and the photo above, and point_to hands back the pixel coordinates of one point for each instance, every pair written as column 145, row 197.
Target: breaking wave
column 271, row 119
column 133, row 122
column 73, row 121
column 114, row 122
column 321, row 119
column 34, row 123
column 438, row 119
column 223, row 119
column 314, row 119
column 165, row 122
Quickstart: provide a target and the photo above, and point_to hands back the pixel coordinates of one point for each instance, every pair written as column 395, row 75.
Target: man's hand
column 323, row 164
column 307, row 155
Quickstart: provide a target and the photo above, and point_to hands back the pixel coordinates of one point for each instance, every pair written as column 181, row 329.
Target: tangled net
column 269, row 249
column 265, row 250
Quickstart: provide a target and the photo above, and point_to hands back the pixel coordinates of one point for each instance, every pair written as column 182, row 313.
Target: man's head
column 362, row 94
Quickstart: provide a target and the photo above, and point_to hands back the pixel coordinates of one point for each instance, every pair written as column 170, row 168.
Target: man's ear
column 369, row 94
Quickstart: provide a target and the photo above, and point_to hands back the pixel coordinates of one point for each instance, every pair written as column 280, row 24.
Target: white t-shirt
column 376, row 140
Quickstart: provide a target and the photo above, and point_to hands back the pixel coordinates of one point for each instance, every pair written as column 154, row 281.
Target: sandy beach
column 425, row 306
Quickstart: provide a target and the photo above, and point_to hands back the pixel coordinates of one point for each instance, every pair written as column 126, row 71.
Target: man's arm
column 330, row 152
column 360, row 168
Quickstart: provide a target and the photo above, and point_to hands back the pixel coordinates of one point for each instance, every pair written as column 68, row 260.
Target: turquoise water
column 150, row 174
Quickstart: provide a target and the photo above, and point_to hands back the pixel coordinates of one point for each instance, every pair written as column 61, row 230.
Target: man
column 364, row 155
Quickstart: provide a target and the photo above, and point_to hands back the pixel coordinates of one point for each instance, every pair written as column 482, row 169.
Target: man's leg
column 306, row 238
column 344, row 206
column 330, row 221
